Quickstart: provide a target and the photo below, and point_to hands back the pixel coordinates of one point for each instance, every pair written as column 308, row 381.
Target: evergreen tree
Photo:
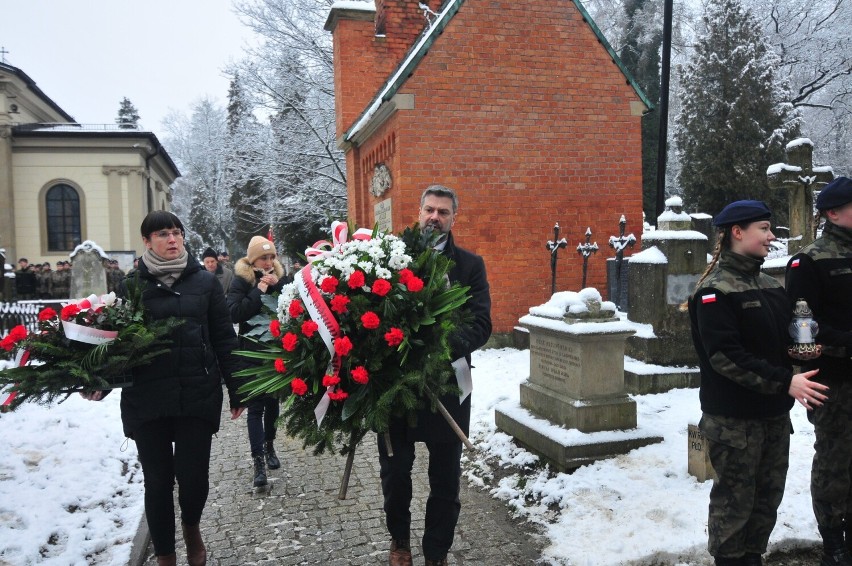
column 128, row 115
column 641, row 55
column 733, row 121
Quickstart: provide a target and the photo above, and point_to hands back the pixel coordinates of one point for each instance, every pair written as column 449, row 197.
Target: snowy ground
column 71, row 491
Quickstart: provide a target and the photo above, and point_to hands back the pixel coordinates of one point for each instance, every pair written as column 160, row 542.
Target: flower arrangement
column 361, row 336
column 91, row 344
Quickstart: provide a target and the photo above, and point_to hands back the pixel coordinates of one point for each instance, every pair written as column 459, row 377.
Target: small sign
column 383, row 213
column 699, row 456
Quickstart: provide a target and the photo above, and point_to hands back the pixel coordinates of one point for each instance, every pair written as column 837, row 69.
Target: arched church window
column 62, row 207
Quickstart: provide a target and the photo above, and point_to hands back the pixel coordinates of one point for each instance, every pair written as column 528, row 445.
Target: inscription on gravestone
column 698, row 463
column 382, row 213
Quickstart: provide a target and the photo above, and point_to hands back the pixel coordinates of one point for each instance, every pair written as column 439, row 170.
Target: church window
column 62, row 205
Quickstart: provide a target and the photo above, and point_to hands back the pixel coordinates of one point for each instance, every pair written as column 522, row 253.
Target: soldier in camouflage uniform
column 821, row 274
column 60, row 282
column 739, row 318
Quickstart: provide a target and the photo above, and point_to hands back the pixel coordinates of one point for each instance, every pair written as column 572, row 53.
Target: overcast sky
column 87, row 56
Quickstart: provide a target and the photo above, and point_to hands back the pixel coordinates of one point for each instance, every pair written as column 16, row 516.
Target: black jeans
column 262, row 413
column 443, row 505
column 188, row 461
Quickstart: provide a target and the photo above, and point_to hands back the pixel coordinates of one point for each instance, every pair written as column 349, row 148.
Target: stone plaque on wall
column 382, row 212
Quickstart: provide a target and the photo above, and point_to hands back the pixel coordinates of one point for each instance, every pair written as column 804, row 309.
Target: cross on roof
column 800, row 178
column 3, row 53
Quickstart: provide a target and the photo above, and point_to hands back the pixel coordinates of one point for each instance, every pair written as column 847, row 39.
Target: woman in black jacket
column 174, row 406
column 254, row 275
column 740, row 319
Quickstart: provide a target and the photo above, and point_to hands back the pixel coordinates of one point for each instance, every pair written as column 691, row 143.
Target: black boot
column 259, row 471
column 271, row 458
column 722, row 561
column 752, row 559
column 834, row 548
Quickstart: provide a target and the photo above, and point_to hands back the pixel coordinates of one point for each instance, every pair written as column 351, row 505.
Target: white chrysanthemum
column 288, row 293
column 383, row 273
column 366, row 266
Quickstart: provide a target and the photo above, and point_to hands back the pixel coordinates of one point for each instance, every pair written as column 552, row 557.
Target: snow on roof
column 701, row 215
column 776, row 168
column 651, row 255
column 799, row 141
column 354, row 5
column 674, row 235
column 670, row 215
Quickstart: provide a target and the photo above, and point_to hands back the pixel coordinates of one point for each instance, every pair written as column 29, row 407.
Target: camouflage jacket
column 740, row 319
column 821, row 274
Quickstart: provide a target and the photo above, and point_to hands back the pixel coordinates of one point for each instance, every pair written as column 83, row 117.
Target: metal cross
column 554, row 246
column 586, row 249
column 3, row 53
column 618, row 244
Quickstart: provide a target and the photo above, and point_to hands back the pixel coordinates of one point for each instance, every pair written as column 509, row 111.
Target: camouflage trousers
column 831, row 473
column 750, row 458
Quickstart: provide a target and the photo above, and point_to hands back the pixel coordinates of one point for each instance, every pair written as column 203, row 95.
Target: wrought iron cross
column 554, row 246
column 586, row 249
column 618, row 244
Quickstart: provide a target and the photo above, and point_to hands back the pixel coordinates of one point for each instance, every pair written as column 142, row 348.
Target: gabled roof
column 430, row 34
column 35, row 90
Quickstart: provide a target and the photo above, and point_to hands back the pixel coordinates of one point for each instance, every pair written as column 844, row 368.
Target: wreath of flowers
column 369, row 344
column 91, row 344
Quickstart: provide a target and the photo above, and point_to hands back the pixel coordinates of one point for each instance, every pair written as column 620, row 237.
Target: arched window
column 62, row 207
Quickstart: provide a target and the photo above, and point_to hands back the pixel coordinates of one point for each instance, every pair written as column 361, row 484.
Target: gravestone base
column 660, row 382
column 548, row 440
column 614, row 412
column 665, row 350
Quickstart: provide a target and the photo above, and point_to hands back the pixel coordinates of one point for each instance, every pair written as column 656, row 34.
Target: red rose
column 289, row 341
column 370, row 320
column 70, row 311
column 299, row 386
column 279, row 366
column 309, row 327
column 85, row 304
column 342, row 346
column 330, row 380
column 329, row 284
column 338, row 395
column 339, row 303
column 47, row 314
column 405, row 275
column 360, row 375
column 275, row 328
column 356, row 280
column 296, row 308
column 18, row 333
column 414, row 284
column 394, row 337
column 381, row 287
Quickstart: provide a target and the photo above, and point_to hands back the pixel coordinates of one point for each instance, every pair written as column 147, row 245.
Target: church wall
column 522, row 111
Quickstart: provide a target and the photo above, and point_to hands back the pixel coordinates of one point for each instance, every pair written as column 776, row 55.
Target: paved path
column 300, row 520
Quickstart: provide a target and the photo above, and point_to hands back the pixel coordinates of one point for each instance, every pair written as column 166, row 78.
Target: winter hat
column 259, row 246
column 209, row 252
column 835, row 194
column 742, row 211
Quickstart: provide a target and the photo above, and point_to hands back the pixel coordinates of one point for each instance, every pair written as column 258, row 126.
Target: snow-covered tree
column 128, row 115
column 735, row 116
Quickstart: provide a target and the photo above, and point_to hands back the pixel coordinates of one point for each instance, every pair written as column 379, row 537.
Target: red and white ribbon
column 339, row 236
column 21, row 359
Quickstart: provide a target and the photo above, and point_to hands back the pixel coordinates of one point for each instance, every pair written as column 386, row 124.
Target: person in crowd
column 174, row 406
column 257, row 274
column 821, row 274
column 739, row 318
column 438, row 210
column 224, row 259
column 43, row 282
column 211, row 264
column 25, row 280
column 114, row 276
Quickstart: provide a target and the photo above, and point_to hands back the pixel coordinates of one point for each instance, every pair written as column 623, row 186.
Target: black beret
column 835, row 194
column 742, row 211
column 209, row 253
column 224, row 253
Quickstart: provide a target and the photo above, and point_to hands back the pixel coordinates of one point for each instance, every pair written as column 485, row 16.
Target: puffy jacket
column 187, row 380
column 244, row 298
column 740, row 320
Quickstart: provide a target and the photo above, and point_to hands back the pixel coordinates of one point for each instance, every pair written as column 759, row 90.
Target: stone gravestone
column 576, row 382
column 661, row 278
column 800, row 178
column 88, row 275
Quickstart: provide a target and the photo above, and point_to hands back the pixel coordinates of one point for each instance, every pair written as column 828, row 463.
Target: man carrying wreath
column 438, row 209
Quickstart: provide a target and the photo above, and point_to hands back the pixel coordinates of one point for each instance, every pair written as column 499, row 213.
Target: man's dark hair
column 440, row 191
column 159, row 220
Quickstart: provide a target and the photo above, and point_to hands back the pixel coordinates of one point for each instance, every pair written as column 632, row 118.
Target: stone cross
column 586, row 249
column 618, row 244
column 554, row 246
column 800, row 178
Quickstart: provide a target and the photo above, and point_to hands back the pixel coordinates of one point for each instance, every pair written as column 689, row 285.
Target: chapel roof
column 31, row 84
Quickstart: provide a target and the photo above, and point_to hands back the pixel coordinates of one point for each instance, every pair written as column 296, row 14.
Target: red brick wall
column 522, row 111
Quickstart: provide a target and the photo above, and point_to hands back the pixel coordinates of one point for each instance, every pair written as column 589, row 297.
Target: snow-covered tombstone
column 88, row 275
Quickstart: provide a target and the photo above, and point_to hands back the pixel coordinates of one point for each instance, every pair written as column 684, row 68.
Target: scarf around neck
column 166, row 271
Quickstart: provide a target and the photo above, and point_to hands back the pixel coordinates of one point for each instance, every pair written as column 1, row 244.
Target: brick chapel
column 522, row 107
